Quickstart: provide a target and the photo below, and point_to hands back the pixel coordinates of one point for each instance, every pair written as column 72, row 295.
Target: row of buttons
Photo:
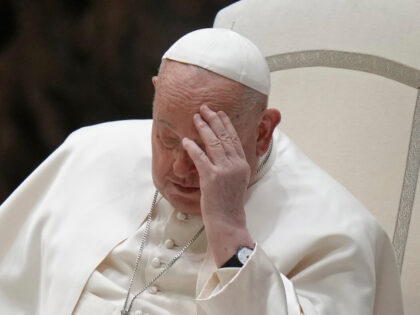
column 157, row 263
column 169, row 243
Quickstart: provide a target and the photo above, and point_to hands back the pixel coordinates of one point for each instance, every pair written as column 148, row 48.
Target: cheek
column 249, row 146
column 161, row 160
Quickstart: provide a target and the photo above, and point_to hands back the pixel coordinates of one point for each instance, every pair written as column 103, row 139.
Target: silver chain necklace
column 266, row 157
column 126, row 310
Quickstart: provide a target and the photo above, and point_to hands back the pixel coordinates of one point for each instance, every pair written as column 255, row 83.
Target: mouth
column 186, row 189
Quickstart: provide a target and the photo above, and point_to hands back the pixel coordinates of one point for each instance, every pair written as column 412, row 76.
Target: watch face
column 243, row 254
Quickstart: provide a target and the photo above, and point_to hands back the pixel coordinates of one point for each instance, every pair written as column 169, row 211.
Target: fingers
column 217, row 133
column 214, row 121
column 212, row 143
column 236, row 142
column 198, row 156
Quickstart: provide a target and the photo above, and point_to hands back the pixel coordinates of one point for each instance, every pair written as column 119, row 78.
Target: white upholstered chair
column 346, row 77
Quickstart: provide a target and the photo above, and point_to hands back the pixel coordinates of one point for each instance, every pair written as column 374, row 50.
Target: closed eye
column 168, row 142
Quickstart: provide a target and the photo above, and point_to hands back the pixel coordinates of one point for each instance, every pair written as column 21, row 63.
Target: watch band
column 239, row 259
column 232, row 262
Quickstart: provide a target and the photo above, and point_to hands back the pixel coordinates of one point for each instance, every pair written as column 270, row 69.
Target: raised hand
column 224, row 177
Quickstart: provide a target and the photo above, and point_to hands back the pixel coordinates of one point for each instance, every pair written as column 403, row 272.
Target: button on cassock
column 169, row 243
column 181, row 216
column 156, row 262
column 153, row 289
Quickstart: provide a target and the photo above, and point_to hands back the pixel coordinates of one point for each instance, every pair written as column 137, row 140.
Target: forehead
column 182, row 87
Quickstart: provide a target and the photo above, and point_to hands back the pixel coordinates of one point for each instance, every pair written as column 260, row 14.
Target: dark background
column 65, row 64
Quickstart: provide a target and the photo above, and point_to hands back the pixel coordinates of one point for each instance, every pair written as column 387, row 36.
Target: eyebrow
column 166, row 123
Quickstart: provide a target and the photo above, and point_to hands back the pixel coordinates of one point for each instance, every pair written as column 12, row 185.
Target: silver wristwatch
column 240, row 258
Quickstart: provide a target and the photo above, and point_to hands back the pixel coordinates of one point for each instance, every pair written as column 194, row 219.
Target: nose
column 183, row 166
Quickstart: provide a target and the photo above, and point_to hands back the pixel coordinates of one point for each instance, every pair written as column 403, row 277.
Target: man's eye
column 169, row 143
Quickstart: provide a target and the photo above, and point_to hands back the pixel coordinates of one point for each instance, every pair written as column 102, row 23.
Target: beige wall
column 360, row 134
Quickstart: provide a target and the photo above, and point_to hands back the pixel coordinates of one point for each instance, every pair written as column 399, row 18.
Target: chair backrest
column 346, row 77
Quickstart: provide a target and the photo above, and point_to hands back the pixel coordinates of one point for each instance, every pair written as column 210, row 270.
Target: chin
column 186, row 200
column 185, row 205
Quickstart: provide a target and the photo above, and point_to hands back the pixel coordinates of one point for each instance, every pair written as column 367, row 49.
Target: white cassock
column 318, row 249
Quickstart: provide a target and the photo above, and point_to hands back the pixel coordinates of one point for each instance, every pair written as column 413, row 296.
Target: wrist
column 225, row 244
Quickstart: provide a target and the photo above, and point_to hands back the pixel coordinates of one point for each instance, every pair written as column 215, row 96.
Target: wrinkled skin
column 206, row 147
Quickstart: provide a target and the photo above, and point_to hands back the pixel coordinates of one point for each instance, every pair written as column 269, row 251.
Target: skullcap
column 224, row 52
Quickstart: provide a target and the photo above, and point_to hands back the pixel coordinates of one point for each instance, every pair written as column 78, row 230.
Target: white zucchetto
column 224, row 52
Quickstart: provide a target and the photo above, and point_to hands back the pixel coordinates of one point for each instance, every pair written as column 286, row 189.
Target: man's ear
column 154, row 80
column 269, row 120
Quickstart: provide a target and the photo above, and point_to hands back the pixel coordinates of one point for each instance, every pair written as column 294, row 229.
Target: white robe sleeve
column 22, row 219
column 65, row 217
column 337, row 278
column 256, row 288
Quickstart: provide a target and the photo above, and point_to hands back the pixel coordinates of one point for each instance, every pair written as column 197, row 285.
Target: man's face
column 180, row 91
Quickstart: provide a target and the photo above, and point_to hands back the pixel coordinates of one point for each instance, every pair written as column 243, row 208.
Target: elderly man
column 222, row 215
